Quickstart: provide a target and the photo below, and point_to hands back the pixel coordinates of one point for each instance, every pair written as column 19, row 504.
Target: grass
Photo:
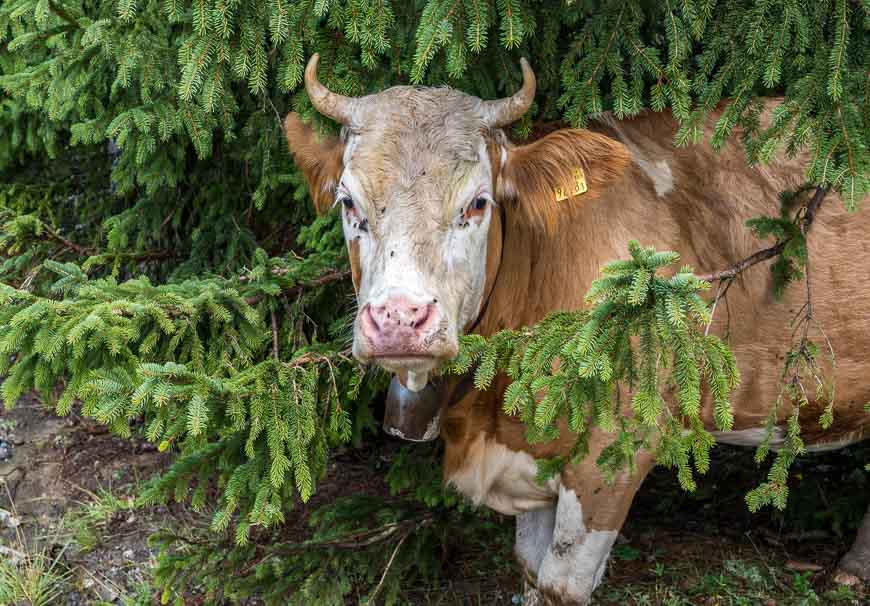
column 731, row 582
column 30, row 577
column 89, row 522
column 34, row 579
column 42, row 577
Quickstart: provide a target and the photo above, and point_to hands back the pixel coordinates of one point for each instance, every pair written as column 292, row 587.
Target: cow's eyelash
column 477, row 204
column 362, row 224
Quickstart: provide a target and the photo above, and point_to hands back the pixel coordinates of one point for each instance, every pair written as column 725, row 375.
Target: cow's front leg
column 565, row 549
column 855, row 565
column 574, row 563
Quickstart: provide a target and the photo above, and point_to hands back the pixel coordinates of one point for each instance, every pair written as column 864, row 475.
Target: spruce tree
column 163, row 271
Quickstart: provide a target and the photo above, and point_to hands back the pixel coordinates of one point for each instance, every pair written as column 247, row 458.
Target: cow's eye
column 476, row 208
column 347, row 201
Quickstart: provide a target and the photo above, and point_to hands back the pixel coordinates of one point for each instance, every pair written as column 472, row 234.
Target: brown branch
column 334, row 276
column 389, row 565
column 63, row 14
column 68, row 243
column 275, row 353
column 148, row 255
column 313, row 356
column 733, row 270
column 736, row 269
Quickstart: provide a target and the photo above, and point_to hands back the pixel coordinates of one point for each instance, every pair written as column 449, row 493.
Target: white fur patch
column 577, row 557
column 658, row 171
column 502, row 479
column 534, row 535
column 756, row 435
column 750, row 437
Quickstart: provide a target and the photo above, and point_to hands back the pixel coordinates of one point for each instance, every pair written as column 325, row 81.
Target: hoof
column 853, row 569
column 533, row 597
column 842, row 577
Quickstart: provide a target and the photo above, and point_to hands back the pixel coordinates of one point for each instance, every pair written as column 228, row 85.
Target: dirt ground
column 67, row 487
column 61, row 465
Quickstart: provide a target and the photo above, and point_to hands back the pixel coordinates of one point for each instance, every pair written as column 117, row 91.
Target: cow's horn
column 330, row 104
column 502, row 112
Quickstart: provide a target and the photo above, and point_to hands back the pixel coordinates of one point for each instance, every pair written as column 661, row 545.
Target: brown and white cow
column 451, row 228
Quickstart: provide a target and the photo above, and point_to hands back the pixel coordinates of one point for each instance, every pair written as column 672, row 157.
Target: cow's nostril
column 424, row 315
column 370, row 320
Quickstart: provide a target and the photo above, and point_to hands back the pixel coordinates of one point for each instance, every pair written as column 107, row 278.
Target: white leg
column 566, row 560
column 534, row 536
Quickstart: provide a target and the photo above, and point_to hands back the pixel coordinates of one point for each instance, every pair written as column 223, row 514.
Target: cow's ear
column 320, row 159
column 568, row 166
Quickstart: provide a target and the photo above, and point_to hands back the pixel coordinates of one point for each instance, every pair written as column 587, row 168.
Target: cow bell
column 414, row 415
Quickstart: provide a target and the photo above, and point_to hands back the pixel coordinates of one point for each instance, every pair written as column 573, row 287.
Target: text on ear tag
column 580, row 186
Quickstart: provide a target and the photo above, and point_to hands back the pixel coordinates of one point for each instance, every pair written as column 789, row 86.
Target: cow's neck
column 541, row 272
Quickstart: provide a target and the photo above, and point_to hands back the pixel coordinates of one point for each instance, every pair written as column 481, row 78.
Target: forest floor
column 68, row 519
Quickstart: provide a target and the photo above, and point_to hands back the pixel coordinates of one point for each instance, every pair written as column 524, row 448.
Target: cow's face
column 416, row 198
column 418, row 175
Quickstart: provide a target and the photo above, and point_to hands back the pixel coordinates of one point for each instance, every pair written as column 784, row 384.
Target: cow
column 451, row 228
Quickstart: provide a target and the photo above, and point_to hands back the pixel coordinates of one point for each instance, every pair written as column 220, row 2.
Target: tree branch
column 275, row 352
column 734, row 270
column 68, row 243
column 61, row 12
column 333, row 276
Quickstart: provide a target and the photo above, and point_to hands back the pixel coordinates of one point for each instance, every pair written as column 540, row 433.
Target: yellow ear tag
column 580, row 186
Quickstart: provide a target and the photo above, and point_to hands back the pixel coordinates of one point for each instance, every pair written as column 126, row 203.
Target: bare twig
column 720, row 294
column 333, row 276
column 275, row 336
column 69, row 243
column 733, row 270
column 807, row 219
column 317, row 357
column 389, row 565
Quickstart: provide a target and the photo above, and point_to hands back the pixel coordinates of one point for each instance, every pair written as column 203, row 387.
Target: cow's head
column 418, row 175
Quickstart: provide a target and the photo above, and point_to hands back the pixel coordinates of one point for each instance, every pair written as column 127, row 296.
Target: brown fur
column 703, row 218
column 319, row 158
column 534, row 171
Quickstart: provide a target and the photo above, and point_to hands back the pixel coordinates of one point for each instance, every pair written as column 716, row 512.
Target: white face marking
column 423, row 241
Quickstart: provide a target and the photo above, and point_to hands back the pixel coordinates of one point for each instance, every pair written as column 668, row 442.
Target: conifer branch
column 77, row 248
column 328, row 278
column 61, row 12
column 806, row 221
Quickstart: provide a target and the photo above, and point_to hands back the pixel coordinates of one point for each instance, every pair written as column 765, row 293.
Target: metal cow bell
column 414, row 415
